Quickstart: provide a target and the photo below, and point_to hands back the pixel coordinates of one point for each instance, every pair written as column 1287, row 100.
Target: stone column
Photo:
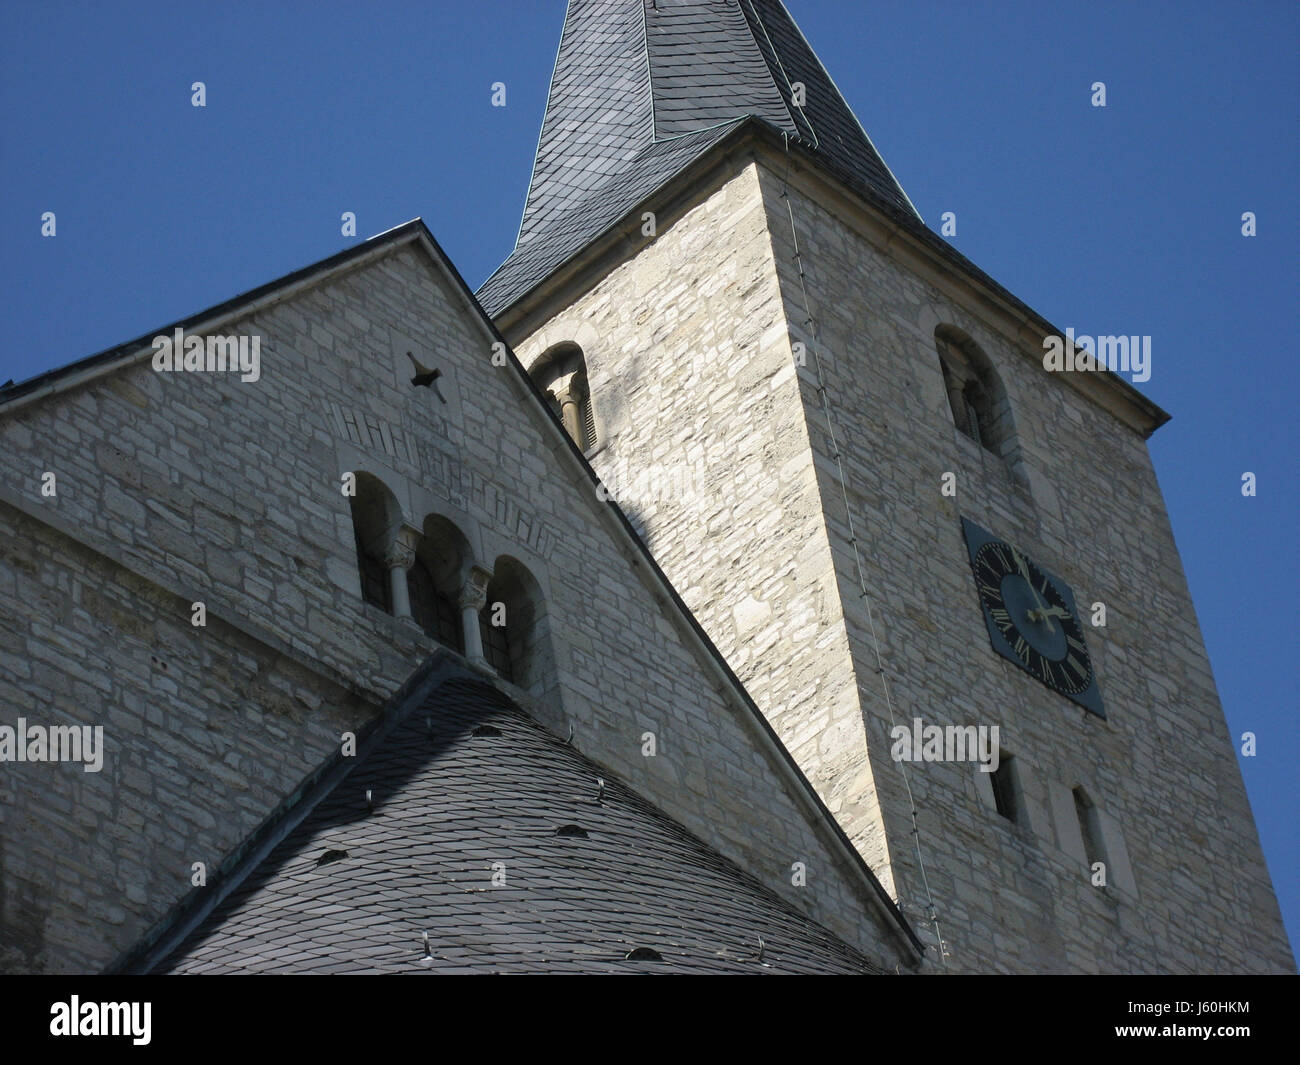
column 473, row 597
column 954, row 381
column 956, row 400
column 399, row 558
column 570, row 412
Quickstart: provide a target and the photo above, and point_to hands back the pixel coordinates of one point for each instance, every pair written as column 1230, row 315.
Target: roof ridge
column 236, row 306
column 597, row 107
column 541, row 129
column 858, row 121
column 650, row 77
column 787, row 101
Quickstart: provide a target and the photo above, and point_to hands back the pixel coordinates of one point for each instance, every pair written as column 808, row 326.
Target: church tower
column 839, row 439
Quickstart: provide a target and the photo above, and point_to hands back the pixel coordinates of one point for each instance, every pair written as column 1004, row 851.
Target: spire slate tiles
column 644, row 88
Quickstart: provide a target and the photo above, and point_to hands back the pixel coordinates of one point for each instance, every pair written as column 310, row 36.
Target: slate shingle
column 448, row 805
column 641, row 90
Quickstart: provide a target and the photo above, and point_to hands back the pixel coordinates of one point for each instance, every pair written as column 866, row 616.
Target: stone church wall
column 688, row 342
column 688, row 355
column 183, row 487
column 1187, row 888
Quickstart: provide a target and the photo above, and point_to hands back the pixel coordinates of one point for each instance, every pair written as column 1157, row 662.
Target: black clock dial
column 1031, row 618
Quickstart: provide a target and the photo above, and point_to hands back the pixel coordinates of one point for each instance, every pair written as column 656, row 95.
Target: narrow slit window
column 1004, row 788
column 1089, row 827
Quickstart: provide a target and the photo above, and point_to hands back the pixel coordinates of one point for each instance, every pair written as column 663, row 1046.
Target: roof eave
column 91, row 367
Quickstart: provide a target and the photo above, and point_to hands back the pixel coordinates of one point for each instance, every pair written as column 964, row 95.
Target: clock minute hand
column 1042, row 607
column 1023, row 567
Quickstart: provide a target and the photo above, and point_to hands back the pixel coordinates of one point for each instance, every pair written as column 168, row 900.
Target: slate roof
column 642, row 90
column 462, row 779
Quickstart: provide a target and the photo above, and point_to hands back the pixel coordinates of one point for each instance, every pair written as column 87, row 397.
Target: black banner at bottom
column 337, row 1014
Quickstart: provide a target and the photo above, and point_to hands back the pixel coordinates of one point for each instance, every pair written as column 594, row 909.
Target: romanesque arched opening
column 436, row 581
column 375, row 516
column 976, row 397
column 561, row 372
column 514, row 626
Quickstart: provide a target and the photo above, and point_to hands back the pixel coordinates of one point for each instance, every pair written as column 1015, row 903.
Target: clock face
column 1031, row 618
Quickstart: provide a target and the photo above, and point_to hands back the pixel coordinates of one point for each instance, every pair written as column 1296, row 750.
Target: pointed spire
column 598, row 113
column 642, row 88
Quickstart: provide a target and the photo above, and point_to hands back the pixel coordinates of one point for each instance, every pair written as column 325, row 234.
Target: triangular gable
column 334, row 344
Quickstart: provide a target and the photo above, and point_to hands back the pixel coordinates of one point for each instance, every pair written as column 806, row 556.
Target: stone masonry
column 186, row 487
column 688, row 341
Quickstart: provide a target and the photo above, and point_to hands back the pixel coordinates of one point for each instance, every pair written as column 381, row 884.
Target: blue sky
column 1122, row 220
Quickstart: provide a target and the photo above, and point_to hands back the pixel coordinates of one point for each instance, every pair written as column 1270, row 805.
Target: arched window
column 435, row 581
column 514, row 627
column 374, row 579
column 976, row 397
column 435, row 611
column 562, row 374
column 496, row 637
column 375, row 514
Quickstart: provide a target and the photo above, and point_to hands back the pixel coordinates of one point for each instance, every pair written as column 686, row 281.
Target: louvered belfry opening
column 589, row 440
column 979, row 404
column 561, row 373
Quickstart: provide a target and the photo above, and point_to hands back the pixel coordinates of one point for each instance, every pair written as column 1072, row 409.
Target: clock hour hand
column 1042, row 607
column 1048, row 612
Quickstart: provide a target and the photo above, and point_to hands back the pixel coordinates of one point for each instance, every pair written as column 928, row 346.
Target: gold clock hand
column 1022, row 566
column 1042, row 607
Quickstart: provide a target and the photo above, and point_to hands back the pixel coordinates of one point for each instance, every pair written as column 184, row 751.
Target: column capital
column 401, row 552
column 562, row 386
column 399, row 556
column 473, row 594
